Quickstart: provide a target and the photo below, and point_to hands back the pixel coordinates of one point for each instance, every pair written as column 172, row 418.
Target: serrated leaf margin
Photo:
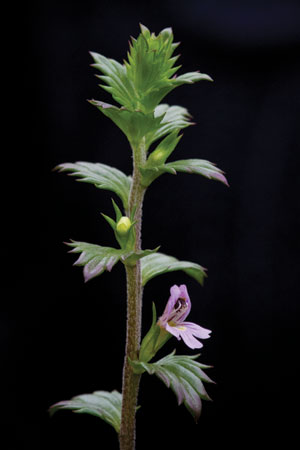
column 105, row 405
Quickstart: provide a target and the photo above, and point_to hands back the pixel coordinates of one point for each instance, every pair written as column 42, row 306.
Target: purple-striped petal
column 202, row 333
column 190, row 340
column 173, row 330
column 184, row 294
column 177, row 309
column 175, row 294
column 178, row 306
column 184, row 333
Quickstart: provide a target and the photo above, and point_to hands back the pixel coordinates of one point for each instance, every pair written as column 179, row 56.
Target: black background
column 61, row 337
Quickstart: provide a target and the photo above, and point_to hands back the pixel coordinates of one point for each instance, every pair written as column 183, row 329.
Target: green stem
column 134, row 313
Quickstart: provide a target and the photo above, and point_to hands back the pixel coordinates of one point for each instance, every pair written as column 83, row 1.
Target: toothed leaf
column 117, row 82
column 159, row 263
column 150, row 67
column 183, row 375
column 135, row 124
column 163, row 150
column 196, row 166
column 102, row 176
column 191, row 77
column 132, row 257
column 94, row 258
column 140, row 84
column 148, row 76
column 173, row 118
column 105, row 405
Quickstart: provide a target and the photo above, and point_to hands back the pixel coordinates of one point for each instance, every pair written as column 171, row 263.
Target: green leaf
column 149, row 74
column 173, row 118
column 102, row 176
column 191, row 77
column 196, row 166
column 131, row 258
column 151, row 169
column 150, row 66
column 185, row 377
column 135, row 124
column 154, row 340
column 163, row 150
column 94, row 258
column 160, row 263
column 140, row 84
column 110, row 221
column 118, row 212
column 118, row 84
column 105, row 405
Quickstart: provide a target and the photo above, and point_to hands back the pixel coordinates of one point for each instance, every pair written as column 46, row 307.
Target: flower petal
column 189, row 339
column 173, row 330
column 184, row 294
column 175, row 294
column 183, row 332
column 202, row 333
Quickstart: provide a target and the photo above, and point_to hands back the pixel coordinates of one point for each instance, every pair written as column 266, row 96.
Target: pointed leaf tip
column 144, row 29
column 196, row 166
column 95, row 258
column 102, row 176
column 184, row 376
column 159, row 263
column 105, row 405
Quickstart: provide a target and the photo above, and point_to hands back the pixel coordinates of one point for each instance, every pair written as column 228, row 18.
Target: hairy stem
column 134, row 312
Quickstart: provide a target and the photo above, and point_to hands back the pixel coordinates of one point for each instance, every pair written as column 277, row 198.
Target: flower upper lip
column 178, row 306
column 181, row 307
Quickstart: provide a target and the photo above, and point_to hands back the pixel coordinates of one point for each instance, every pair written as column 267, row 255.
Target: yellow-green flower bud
column 123, row 226
column 157, row 157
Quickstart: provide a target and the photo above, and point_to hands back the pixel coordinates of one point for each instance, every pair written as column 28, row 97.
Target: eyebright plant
column 153, row 129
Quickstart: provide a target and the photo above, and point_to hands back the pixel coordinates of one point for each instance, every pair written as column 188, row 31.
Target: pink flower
column 172, row 320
